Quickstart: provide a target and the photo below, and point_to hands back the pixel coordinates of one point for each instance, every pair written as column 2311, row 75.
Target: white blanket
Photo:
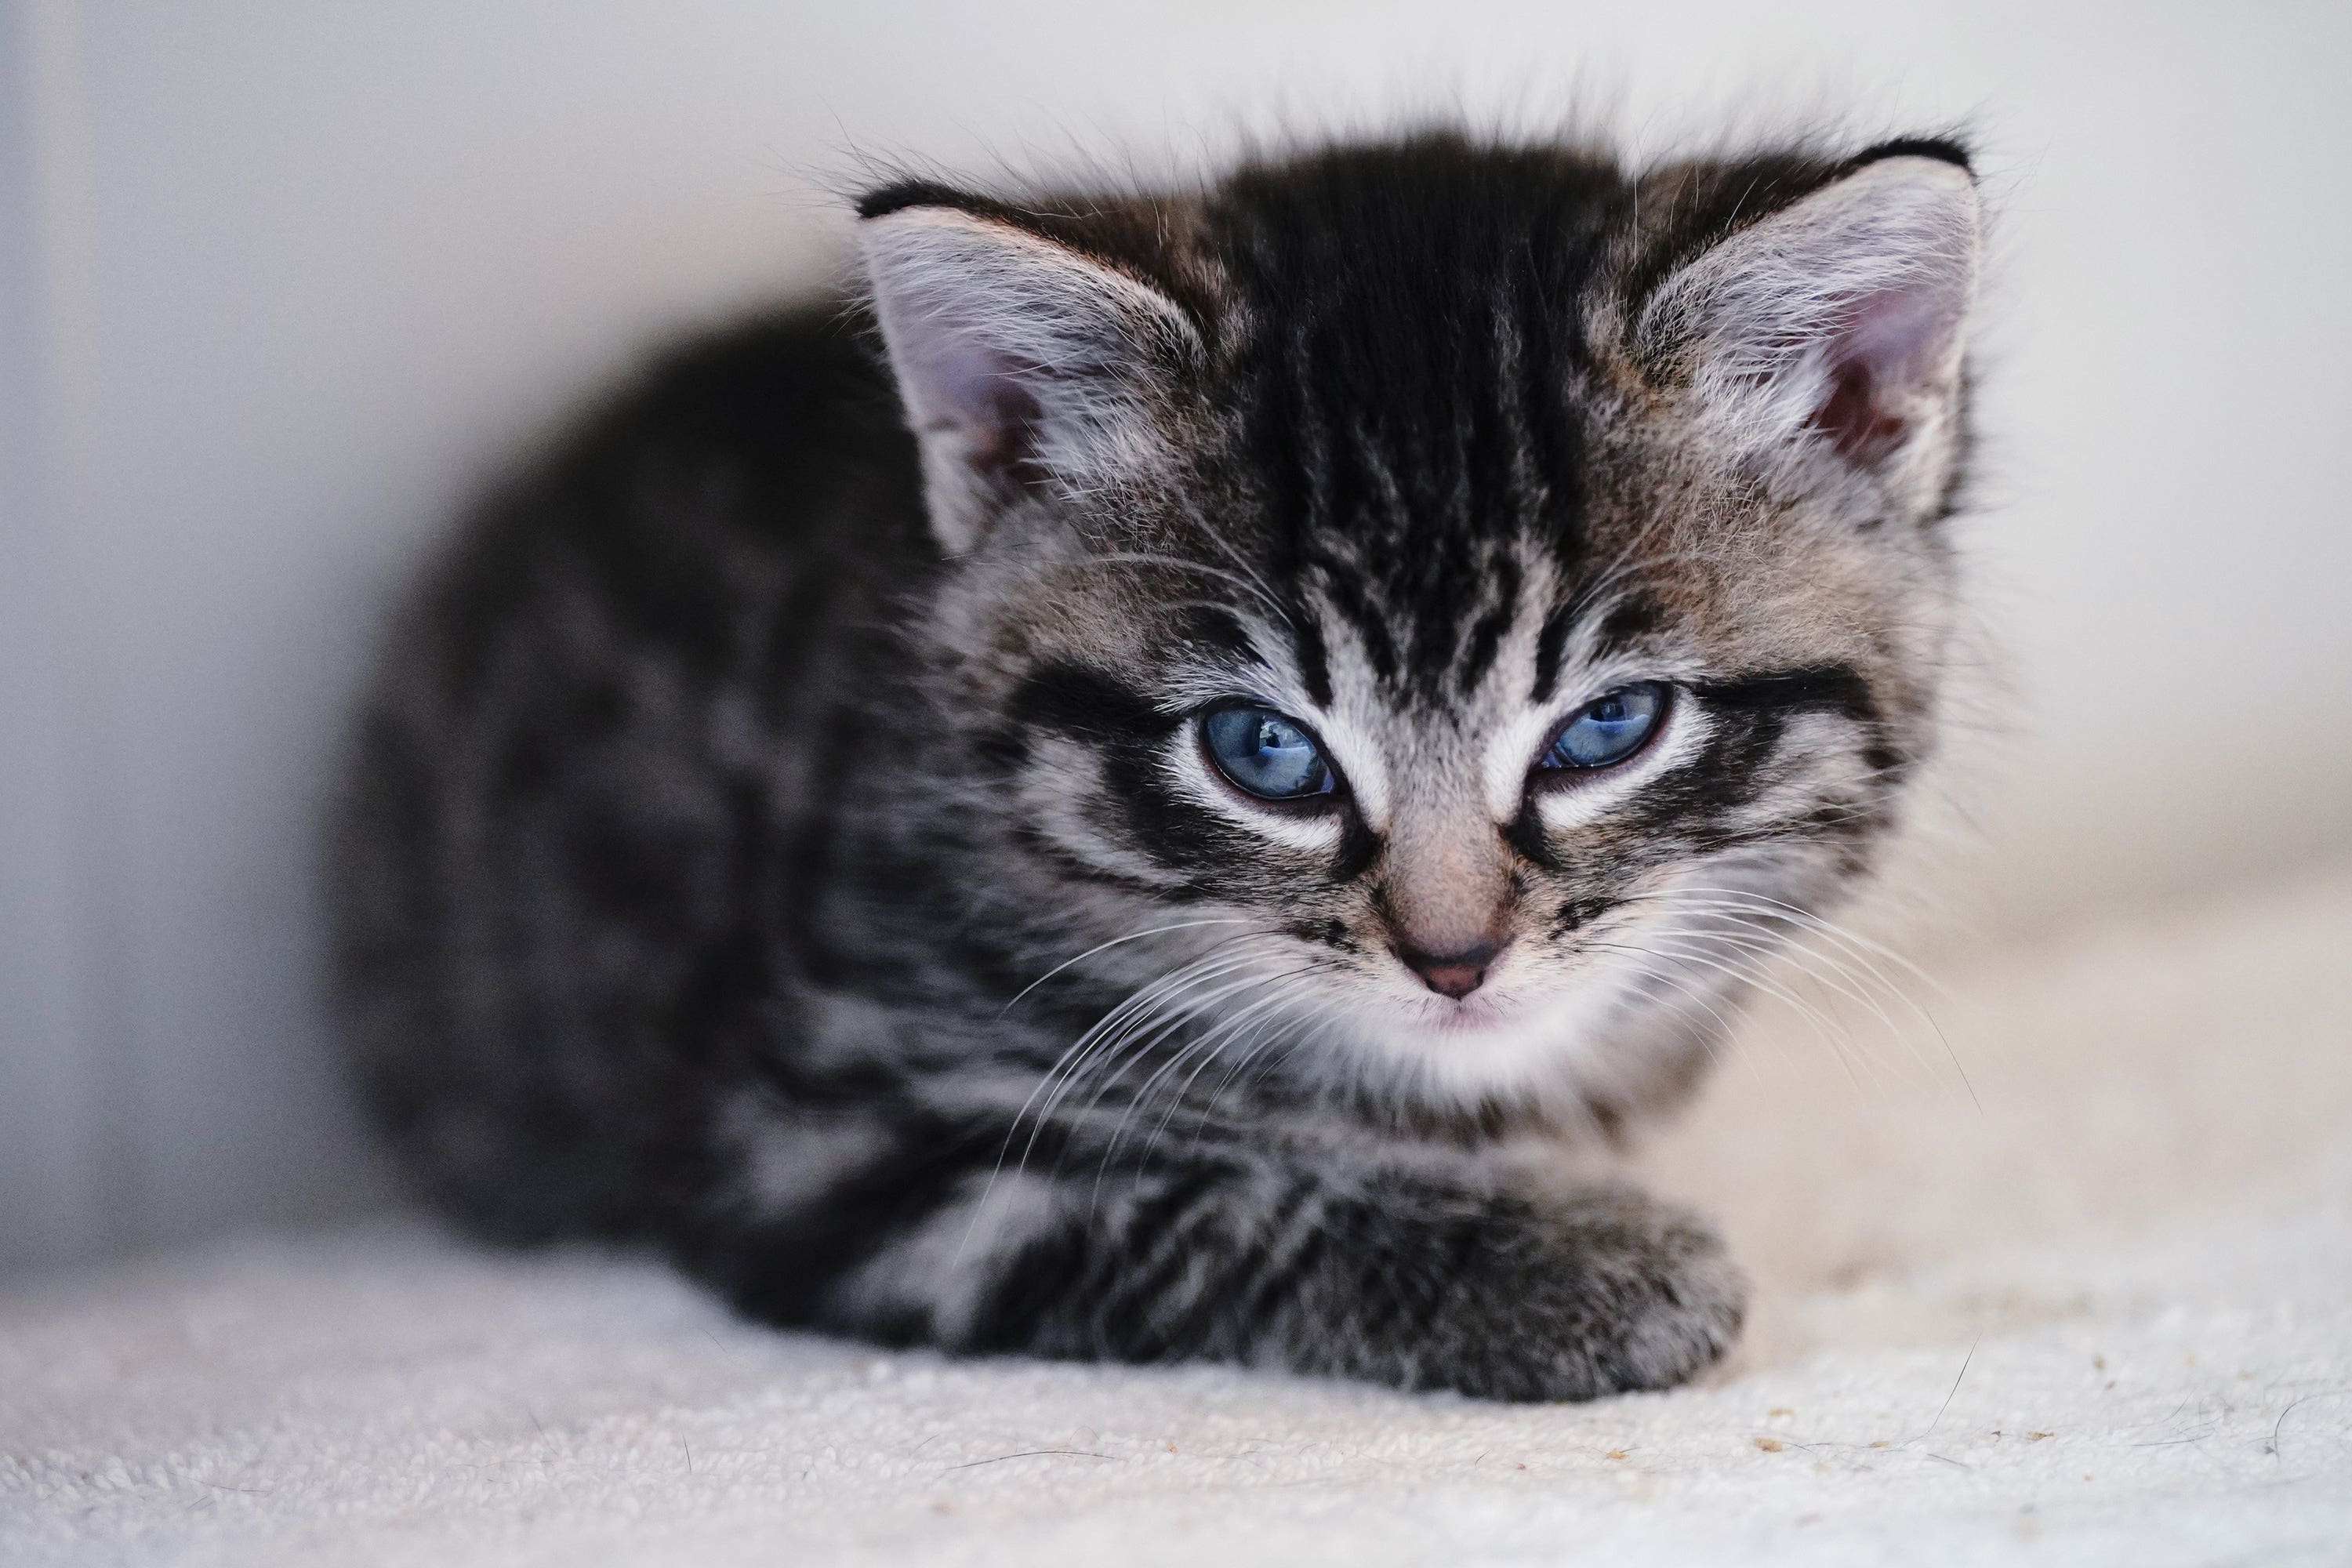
column 2093, row 1304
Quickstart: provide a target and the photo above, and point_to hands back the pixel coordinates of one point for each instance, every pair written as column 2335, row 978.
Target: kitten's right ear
column 1021, row 362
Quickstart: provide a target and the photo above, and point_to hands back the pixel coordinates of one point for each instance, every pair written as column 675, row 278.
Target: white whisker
column 1105, row 947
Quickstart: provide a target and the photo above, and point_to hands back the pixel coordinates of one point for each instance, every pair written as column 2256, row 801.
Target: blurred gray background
column 279, row 282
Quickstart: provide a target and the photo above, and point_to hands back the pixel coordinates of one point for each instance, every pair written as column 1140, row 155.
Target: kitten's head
column 1483, row 601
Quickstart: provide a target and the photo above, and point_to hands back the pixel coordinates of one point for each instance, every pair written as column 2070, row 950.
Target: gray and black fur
column 780, row 834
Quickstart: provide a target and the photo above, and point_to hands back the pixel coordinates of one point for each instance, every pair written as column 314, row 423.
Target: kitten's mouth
column 1482, row 1012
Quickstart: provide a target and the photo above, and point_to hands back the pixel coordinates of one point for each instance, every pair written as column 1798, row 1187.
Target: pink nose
column 1454, row 974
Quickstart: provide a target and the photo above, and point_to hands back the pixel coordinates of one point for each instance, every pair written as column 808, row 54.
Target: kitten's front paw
column 1599, row 1295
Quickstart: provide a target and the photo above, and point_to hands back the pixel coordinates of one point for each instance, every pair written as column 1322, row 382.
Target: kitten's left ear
column 1840, row 319
column 1021, row 362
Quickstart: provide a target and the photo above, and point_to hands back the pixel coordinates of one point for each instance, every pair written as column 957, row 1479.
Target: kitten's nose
column 1454, row 974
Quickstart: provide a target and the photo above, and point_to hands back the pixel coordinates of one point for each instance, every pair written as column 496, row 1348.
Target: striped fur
column 781, row 832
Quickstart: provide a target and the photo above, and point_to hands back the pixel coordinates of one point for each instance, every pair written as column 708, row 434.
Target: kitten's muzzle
column 1454, row 974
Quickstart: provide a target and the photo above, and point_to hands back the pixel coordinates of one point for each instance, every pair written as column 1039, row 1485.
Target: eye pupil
column 1264, row 755
column 1607, row 729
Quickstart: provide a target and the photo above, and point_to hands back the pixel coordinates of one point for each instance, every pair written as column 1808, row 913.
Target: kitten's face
column 1474, row 661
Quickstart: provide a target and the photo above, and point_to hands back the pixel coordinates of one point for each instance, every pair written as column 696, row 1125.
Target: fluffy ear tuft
column 1021, row 362
column 1842, row 318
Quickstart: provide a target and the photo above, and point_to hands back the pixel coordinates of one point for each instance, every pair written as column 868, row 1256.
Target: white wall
column 277, row 281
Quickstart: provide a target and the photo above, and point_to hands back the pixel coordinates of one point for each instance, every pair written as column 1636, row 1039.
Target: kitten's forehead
column 1429, row 435
column 1413, row 436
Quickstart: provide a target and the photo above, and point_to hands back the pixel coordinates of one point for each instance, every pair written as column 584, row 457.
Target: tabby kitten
column 1099, row 800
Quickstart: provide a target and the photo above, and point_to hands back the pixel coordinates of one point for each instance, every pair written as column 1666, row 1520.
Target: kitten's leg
column 1391, row 1278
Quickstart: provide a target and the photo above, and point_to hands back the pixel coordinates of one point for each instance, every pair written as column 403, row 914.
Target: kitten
column 1095, row 801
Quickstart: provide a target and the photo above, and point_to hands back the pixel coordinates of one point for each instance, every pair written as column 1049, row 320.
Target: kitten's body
column 788, row 839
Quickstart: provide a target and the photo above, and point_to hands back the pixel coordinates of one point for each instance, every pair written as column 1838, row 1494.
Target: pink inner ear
column 963, row 386
column 1886, row 349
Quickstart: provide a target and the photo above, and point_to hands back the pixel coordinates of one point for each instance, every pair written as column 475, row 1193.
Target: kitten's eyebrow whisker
column 1217, row 536
column 1625, row 563
column 1144, row 558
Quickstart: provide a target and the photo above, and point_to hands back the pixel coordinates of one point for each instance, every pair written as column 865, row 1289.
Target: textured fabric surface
column 2092, row 1304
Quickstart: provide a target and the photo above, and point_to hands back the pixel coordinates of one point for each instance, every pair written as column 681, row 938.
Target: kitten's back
column 605, row 695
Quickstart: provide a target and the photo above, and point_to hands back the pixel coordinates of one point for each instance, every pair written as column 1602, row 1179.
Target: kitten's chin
column 1511, row 1042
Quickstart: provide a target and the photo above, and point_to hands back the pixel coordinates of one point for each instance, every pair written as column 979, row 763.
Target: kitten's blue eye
column 1608, row 729
column 1264, row 753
